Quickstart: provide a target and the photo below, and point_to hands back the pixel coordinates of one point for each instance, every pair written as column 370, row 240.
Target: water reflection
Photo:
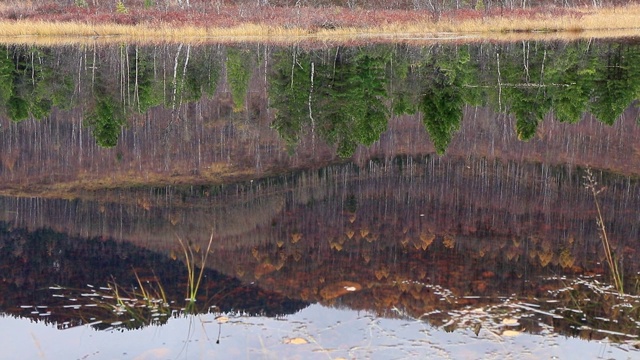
column 69, row 281
column 344, row 95
column 404, row 237
column 445, row 217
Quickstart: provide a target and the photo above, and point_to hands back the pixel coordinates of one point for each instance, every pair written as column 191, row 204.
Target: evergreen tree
column 238, row 76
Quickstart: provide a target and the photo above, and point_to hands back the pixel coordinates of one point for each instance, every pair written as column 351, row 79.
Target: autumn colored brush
column 287, row 25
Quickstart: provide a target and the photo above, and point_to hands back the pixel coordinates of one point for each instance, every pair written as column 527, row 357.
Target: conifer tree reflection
column 107, row 116
column 570, row 74
column 290, row 87
column 443, row 98
column 238, row 76
column 525, row 89
column 148, row 92
column 341, row 96
column 349, row 103
column 404, row 91
column 29, row 86
column 616, row 82
column 202, row 74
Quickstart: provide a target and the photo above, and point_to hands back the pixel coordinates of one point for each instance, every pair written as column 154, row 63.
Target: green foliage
column 346, row 94
column 616, row 82
column 121, row 8
column 202, row 76
column 441, row 108
column 403, row 104
column 404, row 91
column 6, row 76
column 60, row 90
column 526, row 92
column 526, row 126
column 106, row 120
column 443, row 97
column 529, row 107
column 107, row 116
column 573, row 75
column 40, row 108
column 18, row 109
column 350, row 103
column 536, row 79
column 29, row 86
column 238, row 75
column 149, row 90
column 345, row 101
column 289, row 91
column 81, row 3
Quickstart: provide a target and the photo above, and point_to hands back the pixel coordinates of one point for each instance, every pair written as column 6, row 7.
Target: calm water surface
column 389, row 201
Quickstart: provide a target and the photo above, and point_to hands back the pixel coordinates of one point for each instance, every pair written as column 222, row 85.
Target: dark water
column 377, row 201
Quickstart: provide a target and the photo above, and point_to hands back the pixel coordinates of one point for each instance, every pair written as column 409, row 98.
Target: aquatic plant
column 113, row 306
column 591, row 184
column 193, row 281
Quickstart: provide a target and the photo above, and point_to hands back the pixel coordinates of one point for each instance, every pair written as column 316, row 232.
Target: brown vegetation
column 136, row 22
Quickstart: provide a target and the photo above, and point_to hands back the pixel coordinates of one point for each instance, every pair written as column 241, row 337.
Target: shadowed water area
column 389, row 201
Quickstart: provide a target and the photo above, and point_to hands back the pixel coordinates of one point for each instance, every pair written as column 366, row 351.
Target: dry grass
column 88, row 186
column 580, row 23
column 611, row 22
column 41, row 32
column 585, row 19
column 617, row 276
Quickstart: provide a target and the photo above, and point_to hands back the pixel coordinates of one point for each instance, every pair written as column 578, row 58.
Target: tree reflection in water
column 462, row 206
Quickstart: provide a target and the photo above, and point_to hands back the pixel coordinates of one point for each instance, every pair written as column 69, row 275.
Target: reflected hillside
column 395, row 237
column 69, row 281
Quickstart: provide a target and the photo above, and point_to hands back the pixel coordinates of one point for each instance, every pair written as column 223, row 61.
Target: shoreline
column 415, row 27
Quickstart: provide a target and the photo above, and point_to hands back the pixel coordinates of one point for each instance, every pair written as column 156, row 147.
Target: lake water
column 365, row 201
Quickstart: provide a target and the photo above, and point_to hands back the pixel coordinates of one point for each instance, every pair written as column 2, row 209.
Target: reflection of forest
column 141, row 145
column 183, row 114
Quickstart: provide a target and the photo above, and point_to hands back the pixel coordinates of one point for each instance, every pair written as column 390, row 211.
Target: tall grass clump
column 194, row 277
column 591, row 185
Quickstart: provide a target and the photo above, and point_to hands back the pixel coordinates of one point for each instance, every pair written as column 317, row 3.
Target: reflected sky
column 329, row 333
